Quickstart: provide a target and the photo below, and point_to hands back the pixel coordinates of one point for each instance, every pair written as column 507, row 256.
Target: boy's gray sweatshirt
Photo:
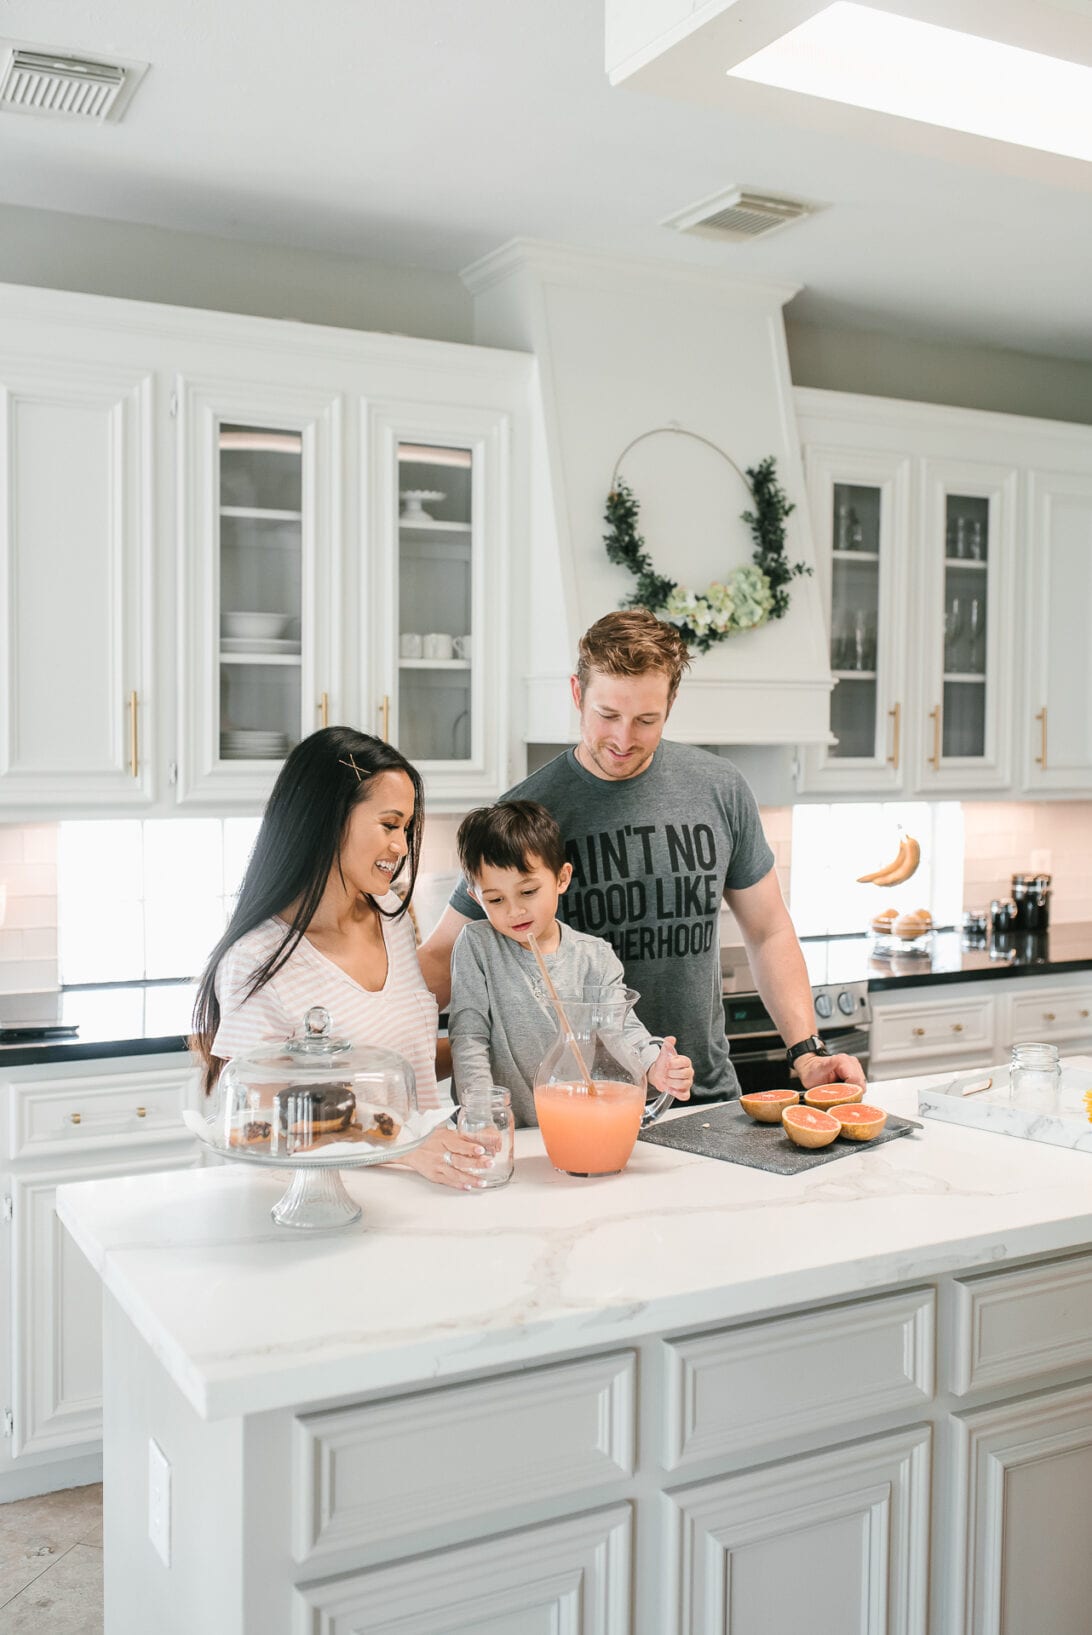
column 501, row 1019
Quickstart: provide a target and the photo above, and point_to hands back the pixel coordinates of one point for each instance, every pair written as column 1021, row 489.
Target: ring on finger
column 447, row 1158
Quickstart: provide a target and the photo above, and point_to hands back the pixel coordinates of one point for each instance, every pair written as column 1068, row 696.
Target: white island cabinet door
column 563, row 1578
column 259, row 608
column 857, row 1519
column 57, row 1314
column 75, row 587
column 1024, row 1473
column 1056, row 725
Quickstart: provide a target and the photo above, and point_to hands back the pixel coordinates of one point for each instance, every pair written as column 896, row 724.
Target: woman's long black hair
column 298, row 844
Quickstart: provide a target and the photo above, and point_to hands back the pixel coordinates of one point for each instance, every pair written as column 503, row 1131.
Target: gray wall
column 56, row 251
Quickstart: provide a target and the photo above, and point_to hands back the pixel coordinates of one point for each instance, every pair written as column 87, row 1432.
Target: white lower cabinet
column 1024, row 1479
column 63, row 1124
column 857, row 1520
column 566, row 1578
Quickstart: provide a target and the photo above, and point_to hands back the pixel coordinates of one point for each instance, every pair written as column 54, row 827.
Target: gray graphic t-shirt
column 652, row 857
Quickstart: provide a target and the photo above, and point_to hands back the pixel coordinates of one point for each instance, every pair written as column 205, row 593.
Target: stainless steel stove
column 843, row 1016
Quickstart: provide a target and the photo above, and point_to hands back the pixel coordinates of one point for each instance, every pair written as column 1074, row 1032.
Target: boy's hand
column 673, row 1072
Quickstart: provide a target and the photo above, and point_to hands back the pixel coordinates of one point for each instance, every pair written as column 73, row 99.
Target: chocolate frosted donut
column 303, row 1112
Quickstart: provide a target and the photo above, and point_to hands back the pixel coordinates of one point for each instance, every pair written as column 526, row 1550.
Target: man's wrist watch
column 812, row 1046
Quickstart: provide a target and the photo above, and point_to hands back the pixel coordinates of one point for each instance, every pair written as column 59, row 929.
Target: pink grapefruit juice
column 589, row 1134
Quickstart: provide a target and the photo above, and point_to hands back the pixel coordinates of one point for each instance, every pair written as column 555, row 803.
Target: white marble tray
column 992, row 1109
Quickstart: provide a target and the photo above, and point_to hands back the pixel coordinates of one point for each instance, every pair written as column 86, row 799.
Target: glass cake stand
column 316, row 1199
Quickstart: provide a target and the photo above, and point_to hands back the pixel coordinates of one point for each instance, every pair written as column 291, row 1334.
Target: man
column 656, row 833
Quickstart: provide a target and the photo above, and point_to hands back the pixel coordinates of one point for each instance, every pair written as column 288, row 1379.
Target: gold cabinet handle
column 385, row 717
column 919, row 1033
column 934, row 759
column 134, row 736
column 74, row 1118
column 324, row 710
column 1083, row 1013
column 1049, row 1016
column 142, row 1112
column 895, row 714
column 1041, row 758
column 957, row 1027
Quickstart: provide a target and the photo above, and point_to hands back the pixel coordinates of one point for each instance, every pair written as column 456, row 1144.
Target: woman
column 316, row 923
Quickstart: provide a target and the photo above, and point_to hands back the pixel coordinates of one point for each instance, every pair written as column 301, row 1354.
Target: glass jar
column 1035, row 1077
column 485, row 1116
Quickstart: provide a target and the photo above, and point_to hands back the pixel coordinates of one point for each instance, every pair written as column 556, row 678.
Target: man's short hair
column 631, row 643
column 514, row 834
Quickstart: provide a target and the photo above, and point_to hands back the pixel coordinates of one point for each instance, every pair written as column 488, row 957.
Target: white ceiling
column 427, row 132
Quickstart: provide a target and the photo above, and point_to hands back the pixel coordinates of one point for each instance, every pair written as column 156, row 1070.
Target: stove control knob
column 845, row 1003
column 823, row 1006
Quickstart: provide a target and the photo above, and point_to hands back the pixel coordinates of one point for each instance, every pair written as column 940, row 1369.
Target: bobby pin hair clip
column 351, row 764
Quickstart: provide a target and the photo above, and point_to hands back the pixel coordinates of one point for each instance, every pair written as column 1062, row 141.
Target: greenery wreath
column 748, row 597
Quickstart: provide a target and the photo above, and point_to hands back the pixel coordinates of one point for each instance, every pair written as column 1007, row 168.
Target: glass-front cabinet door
column 966, row 694
column 438, row 628
column 258, row 637
column 859, row 508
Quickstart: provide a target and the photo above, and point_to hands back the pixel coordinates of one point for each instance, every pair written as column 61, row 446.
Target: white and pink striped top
column 402, row 1015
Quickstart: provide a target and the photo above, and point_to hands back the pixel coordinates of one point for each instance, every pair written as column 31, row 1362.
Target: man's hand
column 672, row 1072
column 813, row 1070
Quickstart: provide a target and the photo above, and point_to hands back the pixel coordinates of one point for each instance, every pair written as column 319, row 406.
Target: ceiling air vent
column 737, row 215
column 44, row 82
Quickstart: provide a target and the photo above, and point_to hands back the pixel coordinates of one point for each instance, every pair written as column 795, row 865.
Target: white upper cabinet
column 963, row 661
column 860, row 505
column 436, row 602
column 218, row 531
column 1054, row 726
column 944, row 685
column 259, row 501
column 76, row 698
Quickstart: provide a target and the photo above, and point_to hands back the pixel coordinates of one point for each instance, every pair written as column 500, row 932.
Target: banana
column 901, row 867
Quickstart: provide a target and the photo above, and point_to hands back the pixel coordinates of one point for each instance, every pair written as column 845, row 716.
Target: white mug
column 409, row 644
column 462, row 646
column 438, row 646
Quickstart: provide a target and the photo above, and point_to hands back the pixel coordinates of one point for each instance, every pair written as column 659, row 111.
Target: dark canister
column 1031, row 899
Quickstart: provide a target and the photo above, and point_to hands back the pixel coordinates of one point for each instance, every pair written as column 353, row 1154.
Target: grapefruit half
column 827, row 1096
column 767, row 1106
column 808, row 1127
column 860, row 1123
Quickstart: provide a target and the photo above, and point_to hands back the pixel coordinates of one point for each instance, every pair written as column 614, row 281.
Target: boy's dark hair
column 509, row 836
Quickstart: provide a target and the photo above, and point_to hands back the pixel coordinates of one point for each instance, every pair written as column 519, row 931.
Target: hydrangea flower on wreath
column 747, row 597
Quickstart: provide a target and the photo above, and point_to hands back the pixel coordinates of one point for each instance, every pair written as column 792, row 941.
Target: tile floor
column 51, row 1564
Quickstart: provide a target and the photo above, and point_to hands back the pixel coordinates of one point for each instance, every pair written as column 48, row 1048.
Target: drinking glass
column 959, row 549
column 1035, row 1077
column 953, row 630
column 486, row 1116
column 975, row 541
column 976, row 630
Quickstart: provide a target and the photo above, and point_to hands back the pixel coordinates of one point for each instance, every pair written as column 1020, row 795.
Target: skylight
column 896, row 65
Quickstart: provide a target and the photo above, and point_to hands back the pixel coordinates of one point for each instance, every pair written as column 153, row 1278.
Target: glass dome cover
column 315, row 1096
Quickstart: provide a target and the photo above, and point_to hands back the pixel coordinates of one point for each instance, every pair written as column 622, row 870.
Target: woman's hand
column 673, row 1072
column 452, row 1159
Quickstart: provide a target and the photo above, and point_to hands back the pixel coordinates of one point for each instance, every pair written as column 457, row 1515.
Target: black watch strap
column 812, row 1046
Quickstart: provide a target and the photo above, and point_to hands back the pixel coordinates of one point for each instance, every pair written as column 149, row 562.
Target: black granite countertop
column 851, row 959
column 118, row 1019
column 153, row 1018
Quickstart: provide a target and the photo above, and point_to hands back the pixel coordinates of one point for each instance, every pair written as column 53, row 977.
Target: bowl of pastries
column 899, row 934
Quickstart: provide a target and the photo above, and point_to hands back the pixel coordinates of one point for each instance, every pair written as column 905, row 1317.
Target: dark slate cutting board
column 726, row 1132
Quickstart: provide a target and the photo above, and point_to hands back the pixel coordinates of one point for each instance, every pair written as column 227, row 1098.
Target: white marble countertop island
column 245, row 1316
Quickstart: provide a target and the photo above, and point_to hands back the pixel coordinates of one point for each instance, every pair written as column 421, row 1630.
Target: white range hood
column 622, row 347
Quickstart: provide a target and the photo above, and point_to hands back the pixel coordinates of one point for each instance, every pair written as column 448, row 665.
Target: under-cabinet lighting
column 897, row 65
column 429, row 454
column 262, row 442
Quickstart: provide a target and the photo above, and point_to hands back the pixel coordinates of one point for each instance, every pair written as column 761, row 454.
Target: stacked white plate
column 245, row 744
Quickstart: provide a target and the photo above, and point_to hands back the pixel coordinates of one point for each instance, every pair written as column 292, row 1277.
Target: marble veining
column 245, row 1316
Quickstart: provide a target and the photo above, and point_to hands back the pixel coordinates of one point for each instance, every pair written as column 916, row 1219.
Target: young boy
column 501, row 1019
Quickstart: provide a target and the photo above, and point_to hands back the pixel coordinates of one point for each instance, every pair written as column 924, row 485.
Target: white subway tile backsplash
column 28, row 976
column 31, row 911
column 40, row 842
column 31, row 879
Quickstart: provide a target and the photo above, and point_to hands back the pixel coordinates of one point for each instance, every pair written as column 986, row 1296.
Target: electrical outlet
column 159, row 1501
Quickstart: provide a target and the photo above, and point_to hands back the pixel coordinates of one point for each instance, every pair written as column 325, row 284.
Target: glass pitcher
column 590, row 1086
